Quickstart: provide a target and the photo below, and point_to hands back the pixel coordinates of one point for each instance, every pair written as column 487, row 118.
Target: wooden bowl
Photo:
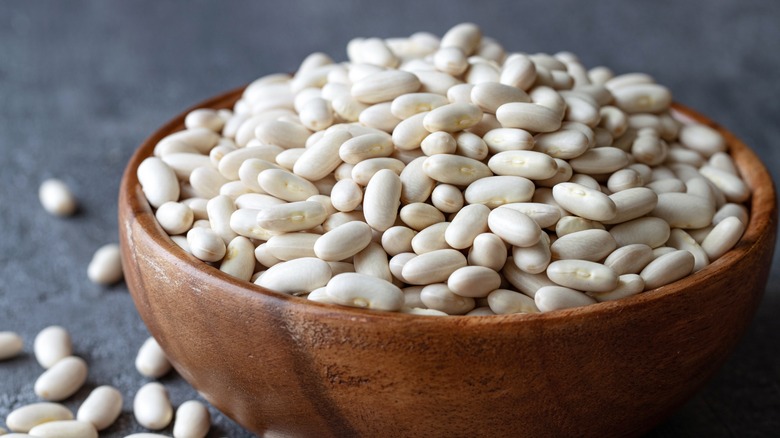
column 285, row 366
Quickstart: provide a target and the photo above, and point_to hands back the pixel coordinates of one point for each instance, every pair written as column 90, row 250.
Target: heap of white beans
column 449, row 177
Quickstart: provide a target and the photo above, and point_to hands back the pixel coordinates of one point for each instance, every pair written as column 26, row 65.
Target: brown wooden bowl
column 286, row 366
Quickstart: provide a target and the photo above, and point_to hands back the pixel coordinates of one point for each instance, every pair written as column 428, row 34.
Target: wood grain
column 283, row 365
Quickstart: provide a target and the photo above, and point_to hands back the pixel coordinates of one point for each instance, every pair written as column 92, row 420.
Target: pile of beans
column 65, row 374
column 445, row 176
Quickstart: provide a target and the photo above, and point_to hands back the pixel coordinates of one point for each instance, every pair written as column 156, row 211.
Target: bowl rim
column 762, row 206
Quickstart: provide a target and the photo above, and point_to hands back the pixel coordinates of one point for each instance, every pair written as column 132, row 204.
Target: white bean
column 584, row 202
column 544, row 215
column 364, row 147
column 519, row 71
column 285, row 185
column 452, row 117
column 158, row 181
column 287, row 158
column 11, row 345
column 366, row 169
column 703, row 139
column 528, row 164
column 379, row 116
column 439, row 142
column 64, row 429
column 465, row 36
column 199, row 139
column 365, row 291
column 286, row 135
column 27, row 417
column 474, row 281
column 433, row 267
column 339, row 218
column 230, row 164
column 533, row 259
column 372, row 260
column 343, row 241
column 667, row 268
column 106, row 265
column 385, row 85
column 295, row 216
column 508, row 139
column 320, row 295
column 410, row 132
column 321, row 158
column 397, row 239
column 583, row 275
column 421, row 311
column 495, row 191
column 565, row 144
column 296, row 276
column 62, row 380
column 447, row 198
column 239, row 260
column 101, row 408
column 529, row 116
column 244, row 223
column 206, row 181
column 632, row 203
column 56, row 198
column 52, row 344
column 513, row 227
column 591, row 245
column 291, row 246
column 192, row 420
column 439, row 297
column 346, row 195
column 628, row 284
column 264, row 256
column 551, row 298
column 682, row 210
column 204, row 118
column 175, row 218
column 642, row 98
column 317, row 114
column 396, row 265
column 450, row 60
column 723, row 237
column 470, row 145
column 416, row 186
column 524, row 282
column 430, row 238
column 467, row 224
column 454, row 169
column 488, row 250
column 505, row 301
column 381, row 199
column 679, row 239
column 491, row 95
column 624, row 179
column 650, row 231
column 151, row 360
column 205, row 244
column 629, row 259
column 407, row 105
column 151, row 406
column 605, row 159
column 419, row 215
column 731, row 185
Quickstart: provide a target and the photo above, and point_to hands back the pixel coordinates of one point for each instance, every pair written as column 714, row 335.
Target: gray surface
column 82, row 83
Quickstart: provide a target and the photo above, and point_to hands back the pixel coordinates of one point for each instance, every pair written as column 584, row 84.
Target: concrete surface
column 83, row 82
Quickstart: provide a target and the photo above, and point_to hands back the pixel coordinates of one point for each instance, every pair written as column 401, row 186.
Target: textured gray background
column 83, row 82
